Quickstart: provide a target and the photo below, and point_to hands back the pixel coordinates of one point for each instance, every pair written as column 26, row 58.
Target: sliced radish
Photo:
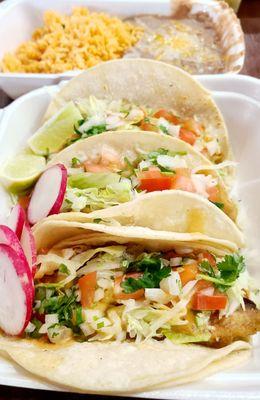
column 48, row 193
column 8, row 237
column 29, row 247
column 16, row 219
column 15, row 292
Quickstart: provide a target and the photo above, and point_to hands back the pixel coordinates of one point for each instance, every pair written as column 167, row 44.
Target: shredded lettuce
column 183, row 338
column 49, row 263
column 93, row 180
column 244, row 287
column 92, row 106
column 162, row 312
column 95, row 198
column 108, row 257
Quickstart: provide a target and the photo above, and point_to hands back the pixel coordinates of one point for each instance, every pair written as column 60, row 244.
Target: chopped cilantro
column 35, row 334
column 75, row 162
column 63, row 269
column 219, row 205
column 145, row 263
column 59, row 303
column 153, row 272
column 79, row 123
column 167, row 172
column 147, row 280
column 68, row 202
column 164, row 129
column 54, row 334
column 94, row 130
column 226, row 272
column 97, row 220
column 79, row 316
column 153, row 155
column 100, row 325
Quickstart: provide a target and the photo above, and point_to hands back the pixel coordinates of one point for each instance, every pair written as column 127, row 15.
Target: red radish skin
column 48, row 193
column 16, row 219
column 8, row 237
column 29, row 247
column 15, row 292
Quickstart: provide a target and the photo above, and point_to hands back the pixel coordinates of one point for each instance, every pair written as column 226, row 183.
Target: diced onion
column 172, row 284
column 175, row 261
column 171, row 162
column 156, row 295
column 188, row 287
column 99, row 294
column 30, row 328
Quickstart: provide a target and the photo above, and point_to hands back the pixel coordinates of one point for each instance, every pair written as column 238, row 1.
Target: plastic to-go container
column 20, row 120
column 19, row 18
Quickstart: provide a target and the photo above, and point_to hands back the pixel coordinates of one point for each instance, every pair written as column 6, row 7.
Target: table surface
column 249, row 15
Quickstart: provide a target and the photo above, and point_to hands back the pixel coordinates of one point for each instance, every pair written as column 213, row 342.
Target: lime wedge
column 19, row 173
column 55, row 132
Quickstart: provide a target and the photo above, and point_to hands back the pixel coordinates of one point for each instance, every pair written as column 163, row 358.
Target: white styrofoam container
column 242, row 84
column 19, row 18
column 19, row 121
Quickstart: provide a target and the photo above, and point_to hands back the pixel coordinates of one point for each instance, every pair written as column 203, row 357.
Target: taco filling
column 123, row 292
column 102, row 115
column 107, row 179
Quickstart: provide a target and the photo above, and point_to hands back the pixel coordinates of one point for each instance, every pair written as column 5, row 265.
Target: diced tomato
column 87, row 287
column 193, row 126
column 168, row 116
column 188, row 273
column 213, row 193
column 187, row 136
column 146, row 126
column 152, row 181
column 180, row 182
column 24, row 202
column 209, row 303
column 119, row 294
column 182, row 172
column 203, row 284
column 170, row 254
column 205, row 152
column 205, row 255
column 89, row 167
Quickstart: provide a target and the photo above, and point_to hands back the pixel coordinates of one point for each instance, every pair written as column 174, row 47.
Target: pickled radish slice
column 16, row 219
column 29, row 247
column 48, row 193
column 8, row 237
column 15, row 292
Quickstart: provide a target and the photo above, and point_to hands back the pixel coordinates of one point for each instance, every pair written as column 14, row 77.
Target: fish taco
column 125, row 309
column 117, row 167
column 140, row 95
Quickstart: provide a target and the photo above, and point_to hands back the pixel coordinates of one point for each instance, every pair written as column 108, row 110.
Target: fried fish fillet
column 238, row 326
